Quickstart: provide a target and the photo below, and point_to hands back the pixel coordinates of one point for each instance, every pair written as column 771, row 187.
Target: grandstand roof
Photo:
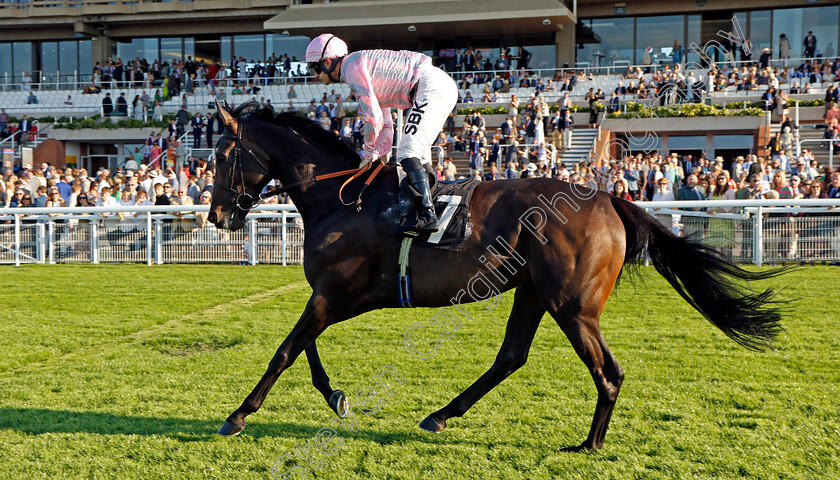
column 436, row 18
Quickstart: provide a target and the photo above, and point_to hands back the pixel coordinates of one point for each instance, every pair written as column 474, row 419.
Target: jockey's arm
column 378, row 130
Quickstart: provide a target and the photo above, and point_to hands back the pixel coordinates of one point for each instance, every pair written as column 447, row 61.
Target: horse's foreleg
column 524, row 319
column 312, row 322
column 335, row 398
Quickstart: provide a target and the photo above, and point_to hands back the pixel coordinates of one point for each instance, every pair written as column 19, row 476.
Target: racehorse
column 568, row 242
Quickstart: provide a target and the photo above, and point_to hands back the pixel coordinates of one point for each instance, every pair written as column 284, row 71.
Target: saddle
column 452, row 201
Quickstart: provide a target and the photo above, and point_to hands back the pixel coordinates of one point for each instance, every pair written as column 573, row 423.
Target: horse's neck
column 312, row 199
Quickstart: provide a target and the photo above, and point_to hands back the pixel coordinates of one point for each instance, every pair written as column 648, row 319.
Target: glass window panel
column 85, row 57
column 249, row 47
column 227, row 50
column 660, row 33
column 686, row 142
column 144, row 48
column 796, row 22
column 189, row 47
column 49, row 57
column 616, row 41
column 22, row 57
column 5, row 57
column 170, row 49
column 693, row 37
column 761, row 34
column 542, row 56
column 68, row 56
column 291, row 46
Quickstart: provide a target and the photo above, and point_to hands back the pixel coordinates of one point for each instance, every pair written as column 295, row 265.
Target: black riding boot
column 426, row 217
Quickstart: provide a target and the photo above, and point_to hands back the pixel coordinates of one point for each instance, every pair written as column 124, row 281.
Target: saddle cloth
column 452, row 206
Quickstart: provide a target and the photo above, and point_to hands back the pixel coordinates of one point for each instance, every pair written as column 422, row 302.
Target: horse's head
column 241, row 171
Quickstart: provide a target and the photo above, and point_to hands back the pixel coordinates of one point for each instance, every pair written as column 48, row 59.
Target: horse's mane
column 300, row 125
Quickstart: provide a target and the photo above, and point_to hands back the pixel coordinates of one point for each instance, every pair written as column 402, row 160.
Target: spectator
column 31, row 99
column 493, row 174
column 107, row 104
column 54, row 199
column 26, row 82
column 620, row 190
column 122, row 105
column 4, row 120
column 810, row 45
column 25, row 129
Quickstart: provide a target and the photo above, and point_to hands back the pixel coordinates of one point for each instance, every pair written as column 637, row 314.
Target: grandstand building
column 56, row 45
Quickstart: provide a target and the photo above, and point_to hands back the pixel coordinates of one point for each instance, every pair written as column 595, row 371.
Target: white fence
column 151, row 235
column 759, row 232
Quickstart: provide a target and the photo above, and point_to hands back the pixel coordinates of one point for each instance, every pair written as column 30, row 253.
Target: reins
column 242, row 195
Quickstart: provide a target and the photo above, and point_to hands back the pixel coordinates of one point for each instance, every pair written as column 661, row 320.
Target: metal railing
column 151, row 235
column 758, row 231
column 830, row 142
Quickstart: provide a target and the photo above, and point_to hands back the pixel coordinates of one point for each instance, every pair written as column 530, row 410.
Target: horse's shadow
column 40, row 420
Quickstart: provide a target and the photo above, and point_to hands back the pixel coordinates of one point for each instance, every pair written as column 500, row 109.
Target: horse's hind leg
column 581, row 326
column 524, row 319
column 335, row 398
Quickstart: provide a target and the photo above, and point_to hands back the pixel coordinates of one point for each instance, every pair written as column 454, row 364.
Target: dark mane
column 300, row 124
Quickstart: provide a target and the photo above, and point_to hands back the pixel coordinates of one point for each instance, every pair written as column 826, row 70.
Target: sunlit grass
column 125, row 371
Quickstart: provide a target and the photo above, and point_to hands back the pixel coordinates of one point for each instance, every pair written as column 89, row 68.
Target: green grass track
column 126, row 371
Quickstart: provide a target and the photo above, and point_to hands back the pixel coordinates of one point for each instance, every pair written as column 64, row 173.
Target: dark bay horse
column 560, row 246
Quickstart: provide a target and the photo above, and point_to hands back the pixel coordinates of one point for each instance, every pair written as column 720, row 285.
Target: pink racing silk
column 381, row 79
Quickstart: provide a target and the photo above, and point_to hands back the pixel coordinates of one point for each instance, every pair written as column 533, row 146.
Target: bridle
column 244, row 200
column 247, row 202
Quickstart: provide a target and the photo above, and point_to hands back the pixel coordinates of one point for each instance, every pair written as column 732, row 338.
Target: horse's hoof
column 577, row 448
column 229, row 429
column 431, row 425
column 338, row 402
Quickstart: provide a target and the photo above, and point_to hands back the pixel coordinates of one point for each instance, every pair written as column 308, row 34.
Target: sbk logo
column 413, row 119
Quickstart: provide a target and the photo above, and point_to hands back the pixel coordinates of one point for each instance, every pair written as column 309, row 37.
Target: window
column 616, row 42
column 170, row 49
column 22, row 58
column 49, row 57
column 5, row 57
column 85, row 57
column 249, row 47
column 144, row 48
column 660, row 33
column 796, row 22
column 761, row 34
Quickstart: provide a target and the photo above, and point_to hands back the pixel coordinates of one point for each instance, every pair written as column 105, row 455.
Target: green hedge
column 635, row 110
column 110, row 124
column 482, row 110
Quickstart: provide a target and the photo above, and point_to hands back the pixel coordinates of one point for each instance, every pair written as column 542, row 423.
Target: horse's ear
column 227, row 119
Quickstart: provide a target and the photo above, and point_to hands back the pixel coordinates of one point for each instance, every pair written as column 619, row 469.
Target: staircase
column 583, row 140
column 810, row 132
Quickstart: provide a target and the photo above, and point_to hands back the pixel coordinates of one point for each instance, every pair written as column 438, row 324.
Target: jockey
column 382, row 79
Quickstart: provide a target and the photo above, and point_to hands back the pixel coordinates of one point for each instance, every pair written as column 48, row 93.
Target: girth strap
column 404, row 277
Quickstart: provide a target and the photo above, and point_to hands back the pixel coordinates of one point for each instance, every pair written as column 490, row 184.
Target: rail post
column 41, row 242
column 51, row 242
column 94, row 242
column 158, row 242
column 149, row 259
column 758, row 240
column 17, row 240
column 283, row 225
column 252, row 241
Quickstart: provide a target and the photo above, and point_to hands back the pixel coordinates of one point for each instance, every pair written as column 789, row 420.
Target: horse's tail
column 710, row 281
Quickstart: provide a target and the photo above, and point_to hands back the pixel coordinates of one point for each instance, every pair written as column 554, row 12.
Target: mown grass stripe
column 214, row 311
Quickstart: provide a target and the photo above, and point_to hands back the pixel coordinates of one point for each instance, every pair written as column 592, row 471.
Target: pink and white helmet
column 324, row 46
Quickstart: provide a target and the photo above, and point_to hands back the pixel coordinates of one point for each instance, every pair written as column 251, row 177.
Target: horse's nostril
column 212, row 217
